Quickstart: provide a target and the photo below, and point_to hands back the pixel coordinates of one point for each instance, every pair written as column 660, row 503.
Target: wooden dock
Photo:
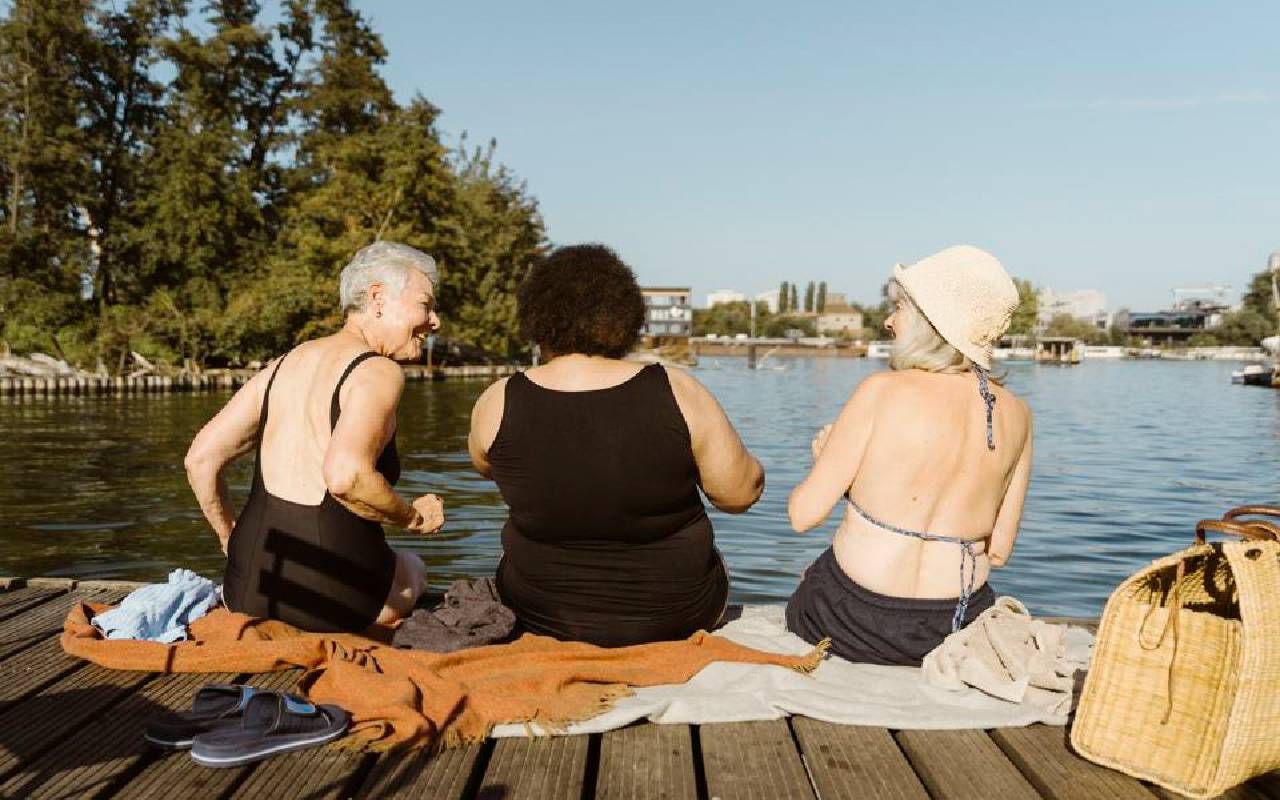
column 69, row 729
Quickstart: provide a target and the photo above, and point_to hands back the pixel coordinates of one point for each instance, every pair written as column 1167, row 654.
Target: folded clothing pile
column 230, row 725
column 471, row 615
column 161, row 612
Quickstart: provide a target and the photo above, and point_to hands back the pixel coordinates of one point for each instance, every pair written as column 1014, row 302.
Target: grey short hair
column 917, row 344
column 387, row 263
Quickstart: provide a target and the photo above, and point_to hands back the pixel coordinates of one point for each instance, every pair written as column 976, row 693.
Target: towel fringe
column 814, row 657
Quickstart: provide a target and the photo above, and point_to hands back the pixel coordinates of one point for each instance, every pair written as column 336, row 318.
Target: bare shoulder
column 877, row 386
column 683, row 380
column 689, row 391
column 383, row 370
column 492, row 397
column 1008, row 399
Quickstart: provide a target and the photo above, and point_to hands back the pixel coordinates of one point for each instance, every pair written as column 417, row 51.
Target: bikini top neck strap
column 989, row 399
column 334, row 406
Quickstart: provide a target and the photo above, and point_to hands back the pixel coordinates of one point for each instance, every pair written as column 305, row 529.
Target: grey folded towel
column 470, row 615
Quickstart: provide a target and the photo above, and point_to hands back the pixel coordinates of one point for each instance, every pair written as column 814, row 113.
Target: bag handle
column 1255, row 510
column 1248, row 529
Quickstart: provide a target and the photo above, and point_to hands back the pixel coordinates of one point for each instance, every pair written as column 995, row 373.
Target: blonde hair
column 917, row 344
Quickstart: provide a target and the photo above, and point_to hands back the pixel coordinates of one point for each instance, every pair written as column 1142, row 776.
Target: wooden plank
column 539, row 768
column 174, row 774
column 1042, row 754
column 322, row 773
column 419, row 773
column 963, row 764
column 753, row 760
column 646, row 761
column 20, row 631
column 19, row 600
column 856, row 761
column 105, row 747
column 41, row 664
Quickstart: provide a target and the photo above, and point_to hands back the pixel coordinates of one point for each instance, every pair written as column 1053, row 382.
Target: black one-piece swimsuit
column 320, row 568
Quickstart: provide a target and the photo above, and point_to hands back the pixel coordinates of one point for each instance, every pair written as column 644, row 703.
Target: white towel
column 1009, row 655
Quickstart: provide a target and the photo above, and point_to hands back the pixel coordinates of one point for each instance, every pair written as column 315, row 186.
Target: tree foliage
column 188, row 185
column 1024, row 318
column 1067, row 325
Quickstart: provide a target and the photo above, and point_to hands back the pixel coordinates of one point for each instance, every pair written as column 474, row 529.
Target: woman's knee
column 409, row 581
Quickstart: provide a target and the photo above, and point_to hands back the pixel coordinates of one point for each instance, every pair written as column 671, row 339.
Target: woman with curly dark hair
column 600, row 461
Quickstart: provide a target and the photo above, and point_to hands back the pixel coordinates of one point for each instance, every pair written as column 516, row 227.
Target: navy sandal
column 272, row 723
column 216, row 706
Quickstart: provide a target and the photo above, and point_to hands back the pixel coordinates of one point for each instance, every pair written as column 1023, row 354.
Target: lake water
column 1128, row 456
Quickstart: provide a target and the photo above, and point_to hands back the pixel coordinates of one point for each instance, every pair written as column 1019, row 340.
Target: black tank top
column 321, row 568
column 607, row 540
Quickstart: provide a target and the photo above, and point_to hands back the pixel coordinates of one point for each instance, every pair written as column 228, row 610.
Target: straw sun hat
column 967, row 296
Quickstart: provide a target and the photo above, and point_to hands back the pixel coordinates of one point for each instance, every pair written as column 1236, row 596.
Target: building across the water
column 724, row 296
column 1089, row 305
column 1195, row 310
column 668, row 312
column 770, row 299
column 839, row 318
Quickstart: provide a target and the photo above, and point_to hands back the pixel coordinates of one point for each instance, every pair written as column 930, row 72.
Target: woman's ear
column 376, row 296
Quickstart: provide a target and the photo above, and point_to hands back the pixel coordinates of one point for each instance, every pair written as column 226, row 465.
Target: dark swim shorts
column 872, row 628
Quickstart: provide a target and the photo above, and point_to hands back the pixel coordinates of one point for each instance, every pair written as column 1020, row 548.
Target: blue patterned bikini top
column 970, row 555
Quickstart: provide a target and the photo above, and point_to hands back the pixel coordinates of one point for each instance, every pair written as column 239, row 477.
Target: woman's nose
column 434, row 321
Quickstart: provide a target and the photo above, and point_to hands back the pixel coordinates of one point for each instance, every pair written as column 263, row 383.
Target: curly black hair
column 581, row 298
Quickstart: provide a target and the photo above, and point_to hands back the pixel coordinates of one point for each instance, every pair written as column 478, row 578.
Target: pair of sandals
column 230, row 725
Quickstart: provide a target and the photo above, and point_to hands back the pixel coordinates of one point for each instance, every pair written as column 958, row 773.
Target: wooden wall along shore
column 66, row 386
column 72, row 729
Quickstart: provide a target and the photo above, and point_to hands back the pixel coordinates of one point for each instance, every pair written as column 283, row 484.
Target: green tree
column 793, row 304
column 1025, row 315
column 808, row 297
column 1259, row 298
column 44, row 174
column 873, row 316
column 822, row 297
column 1069, row 326
column 1247, row 328
column 782, row 324
column 497, row 234
column 727, row 319
column 783, row 298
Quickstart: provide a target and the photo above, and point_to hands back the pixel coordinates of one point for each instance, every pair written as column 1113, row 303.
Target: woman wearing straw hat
column 932, row 459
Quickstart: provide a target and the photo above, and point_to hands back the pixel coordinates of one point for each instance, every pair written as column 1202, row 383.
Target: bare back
column 911, row 450
column 297, row 434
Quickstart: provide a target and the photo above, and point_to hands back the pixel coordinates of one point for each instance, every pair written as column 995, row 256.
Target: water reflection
column 1128, row 456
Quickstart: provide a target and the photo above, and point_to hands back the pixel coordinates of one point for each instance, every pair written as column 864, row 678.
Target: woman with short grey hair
column 932, row 461
column 308, row 547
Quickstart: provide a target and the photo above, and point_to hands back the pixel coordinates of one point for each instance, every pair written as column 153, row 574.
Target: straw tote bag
column 1184, row 686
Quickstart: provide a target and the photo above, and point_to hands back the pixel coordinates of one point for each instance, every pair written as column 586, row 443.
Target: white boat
column 879, row 349
column 1254, row 375
column 1102, row 351
column 1013, row 354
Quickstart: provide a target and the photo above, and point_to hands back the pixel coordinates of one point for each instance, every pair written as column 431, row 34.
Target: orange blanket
column 411, row 697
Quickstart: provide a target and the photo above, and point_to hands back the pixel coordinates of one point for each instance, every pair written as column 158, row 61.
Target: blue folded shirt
column 160, row 612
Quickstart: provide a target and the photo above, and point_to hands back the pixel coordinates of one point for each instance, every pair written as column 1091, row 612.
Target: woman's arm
column 230, row 434
column 1005, row 531
column 731, row 477
column 486, row 418
column 837, row 457
column 371, row 396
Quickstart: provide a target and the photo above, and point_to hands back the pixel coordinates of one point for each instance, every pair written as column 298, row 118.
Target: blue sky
column 1128, row 147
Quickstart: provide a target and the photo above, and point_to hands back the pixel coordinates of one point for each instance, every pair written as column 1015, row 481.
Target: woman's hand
column 428, row 514
column 820, row 441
